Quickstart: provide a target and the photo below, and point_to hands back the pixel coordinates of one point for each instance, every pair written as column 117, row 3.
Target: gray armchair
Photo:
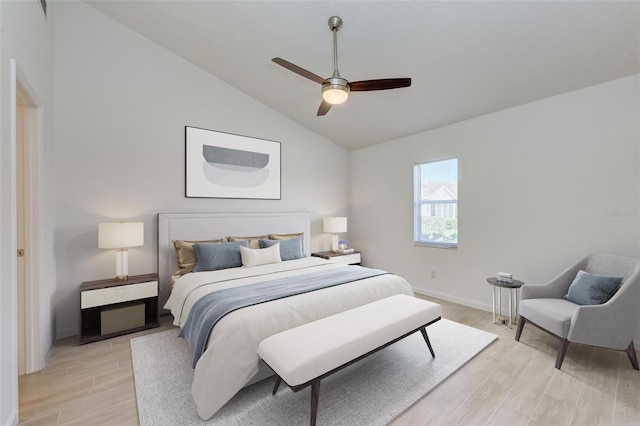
column 609, row 325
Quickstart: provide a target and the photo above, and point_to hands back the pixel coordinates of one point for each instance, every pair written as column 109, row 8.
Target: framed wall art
column 224, row 165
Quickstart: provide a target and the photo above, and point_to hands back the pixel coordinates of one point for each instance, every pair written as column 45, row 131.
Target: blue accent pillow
column 214, row 256
column 289, row 249
column 592, row 289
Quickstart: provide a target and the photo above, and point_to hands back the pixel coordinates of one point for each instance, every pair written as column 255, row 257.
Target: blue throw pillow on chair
column 592, row 289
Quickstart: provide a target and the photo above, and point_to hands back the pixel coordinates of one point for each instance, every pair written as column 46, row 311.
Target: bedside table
column 109, row 308
column 348, row 258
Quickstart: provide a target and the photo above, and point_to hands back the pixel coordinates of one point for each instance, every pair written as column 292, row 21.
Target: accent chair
column 611, row 324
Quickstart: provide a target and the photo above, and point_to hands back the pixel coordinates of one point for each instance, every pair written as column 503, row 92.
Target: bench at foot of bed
column 304, row 355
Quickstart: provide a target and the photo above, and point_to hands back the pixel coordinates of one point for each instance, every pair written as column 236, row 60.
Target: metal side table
column 513, row 287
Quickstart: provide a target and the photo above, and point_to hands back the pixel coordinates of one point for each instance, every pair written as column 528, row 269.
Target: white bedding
column 231, row 359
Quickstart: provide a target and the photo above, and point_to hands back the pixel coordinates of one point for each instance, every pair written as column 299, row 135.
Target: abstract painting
column 224, row 165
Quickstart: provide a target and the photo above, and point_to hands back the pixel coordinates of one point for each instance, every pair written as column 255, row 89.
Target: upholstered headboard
column 206, row 226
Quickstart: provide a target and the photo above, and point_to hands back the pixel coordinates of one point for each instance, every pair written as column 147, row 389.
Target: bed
column 230, row 361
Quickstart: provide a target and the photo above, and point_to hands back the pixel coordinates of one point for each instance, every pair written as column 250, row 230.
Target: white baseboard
column 458, row 300
column 13, row 419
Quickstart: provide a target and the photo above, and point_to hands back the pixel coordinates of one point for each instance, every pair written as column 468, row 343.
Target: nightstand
column 110, row 308
column 348, row 258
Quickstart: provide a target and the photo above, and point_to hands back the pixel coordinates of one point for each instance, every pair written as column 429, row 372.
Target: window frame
column 418, row 203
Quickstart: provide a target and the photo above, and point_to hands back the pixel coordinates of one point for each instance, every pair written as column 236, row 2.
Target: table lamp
column 121, row 236
column 334, row 225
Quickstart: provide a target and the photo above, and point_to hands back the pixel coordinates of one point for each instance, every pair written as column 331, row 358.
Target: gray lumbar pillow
column 592, row 289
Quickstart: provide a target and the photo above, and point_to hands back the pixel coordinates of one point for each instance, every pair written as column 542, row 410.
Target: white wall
column 121, row 106
column 26, row 38
column 536, row 182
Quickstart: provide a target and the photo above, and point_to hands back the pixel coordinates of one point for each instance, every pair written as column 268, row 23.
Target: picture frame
column 226, row 165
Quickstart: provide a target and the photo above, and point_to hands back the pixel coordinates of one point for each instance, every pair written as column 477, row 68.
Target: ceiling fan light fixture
column 335, row 91
column 335, row 95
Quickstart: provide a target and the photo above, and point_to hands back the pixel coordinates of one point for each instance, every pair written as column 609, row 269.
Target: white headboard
column 206, row 226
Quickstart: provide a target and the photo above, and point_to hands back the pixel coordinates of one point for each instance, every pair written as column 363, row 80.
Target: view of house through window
column 436, row 203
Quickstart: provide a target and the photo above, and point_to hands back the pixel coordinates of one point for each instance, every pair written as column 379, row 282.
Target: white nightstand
column 348, row 258
column 109, row 308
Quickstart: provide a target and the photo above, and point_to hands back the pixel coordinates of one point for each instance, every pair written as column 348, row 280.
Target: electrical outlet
column 433, row 274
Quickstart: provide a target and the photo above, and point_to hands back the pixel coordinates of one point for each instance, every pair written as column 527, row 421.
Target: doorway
column 26, row 117
column 20, row 231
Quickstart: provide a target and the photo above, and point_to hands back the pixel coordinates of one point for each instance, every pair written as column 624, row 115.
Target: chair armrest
column 554, row 289
column 612, row 324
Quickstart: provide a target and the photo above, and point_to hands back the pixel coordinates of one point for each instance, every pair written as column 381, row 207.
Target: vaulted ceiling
column 466, row 59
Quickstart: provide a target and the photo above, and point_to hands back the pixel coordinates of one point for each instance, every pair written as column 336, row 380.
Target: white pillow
column 255, row 257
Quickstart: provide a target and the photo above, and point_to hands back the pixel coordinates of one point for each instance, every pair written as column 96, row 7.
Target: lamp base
column 334, row 243
column 122, row 264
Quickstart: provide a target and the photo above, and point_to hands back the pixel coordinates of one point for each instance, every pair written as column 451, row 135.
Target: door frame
column 33, row 124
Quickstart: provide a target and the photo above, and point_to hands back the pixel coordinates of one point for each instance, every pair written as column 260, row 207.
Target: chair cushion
column 554, row 315
column 592, row 289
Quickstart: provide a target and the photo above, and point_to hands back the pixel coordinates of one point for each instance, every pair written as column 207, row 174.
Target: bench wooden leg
column 426, row 339
column 275, row 388
column 315, row 396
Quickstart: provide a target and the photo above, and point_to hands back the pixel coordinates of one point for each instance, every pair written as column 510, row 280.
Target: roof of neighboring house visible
column 439, row 191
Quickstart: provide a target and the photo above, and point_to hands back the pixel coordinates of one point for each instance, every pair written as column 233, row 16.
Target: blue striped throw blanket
column 212, row 307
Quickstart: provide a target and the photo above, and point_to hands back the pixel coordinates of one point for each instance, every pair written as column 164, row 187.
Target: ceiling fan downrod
column 335, row 23
column 336, row 89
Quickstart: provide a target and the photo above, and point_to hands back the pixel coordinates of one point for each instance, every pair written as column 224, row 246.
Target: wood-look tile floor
column 509, row 383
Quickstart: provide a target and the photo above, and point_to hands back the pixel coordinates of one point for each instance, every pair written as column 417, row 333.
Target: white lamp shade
column 335, row 225
column 118, row 235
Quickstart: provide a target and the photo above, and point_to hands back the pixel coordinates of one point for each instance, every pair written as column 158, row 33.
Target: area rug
column 372, row 391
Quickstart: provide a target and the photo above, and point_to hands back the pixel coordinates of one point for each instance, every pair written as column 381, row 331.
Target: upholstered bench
column 304, row 355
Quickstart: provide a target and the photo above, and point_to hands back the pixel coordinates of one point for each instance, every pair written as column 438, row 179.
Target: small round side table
column 513, row 287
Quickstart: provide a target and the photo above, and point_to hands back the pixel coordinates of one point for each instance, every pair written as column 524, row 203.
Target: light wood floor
column 509, row 383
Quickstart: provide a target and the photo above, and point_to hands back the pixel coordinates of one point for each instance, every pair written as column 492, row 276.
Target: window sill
column 449, row 246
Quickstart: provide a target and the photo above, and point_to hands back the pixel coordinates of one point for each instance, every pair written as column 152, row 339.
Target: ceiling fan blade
column 382, row 84
column 324, row 108
column 300, row 71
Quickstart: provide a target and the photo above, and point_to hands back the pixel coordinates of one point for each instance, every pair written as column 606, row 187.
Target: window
column 436, row 203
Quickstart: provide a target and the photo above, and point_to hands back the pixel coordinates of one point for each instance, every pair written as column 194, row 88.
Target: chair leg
column 521, row 321
column 562, row 351
column 631, row 353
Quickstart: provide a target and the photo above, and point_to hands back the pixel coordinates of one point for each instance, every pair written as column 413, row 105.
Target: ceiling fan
column 335, row 89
